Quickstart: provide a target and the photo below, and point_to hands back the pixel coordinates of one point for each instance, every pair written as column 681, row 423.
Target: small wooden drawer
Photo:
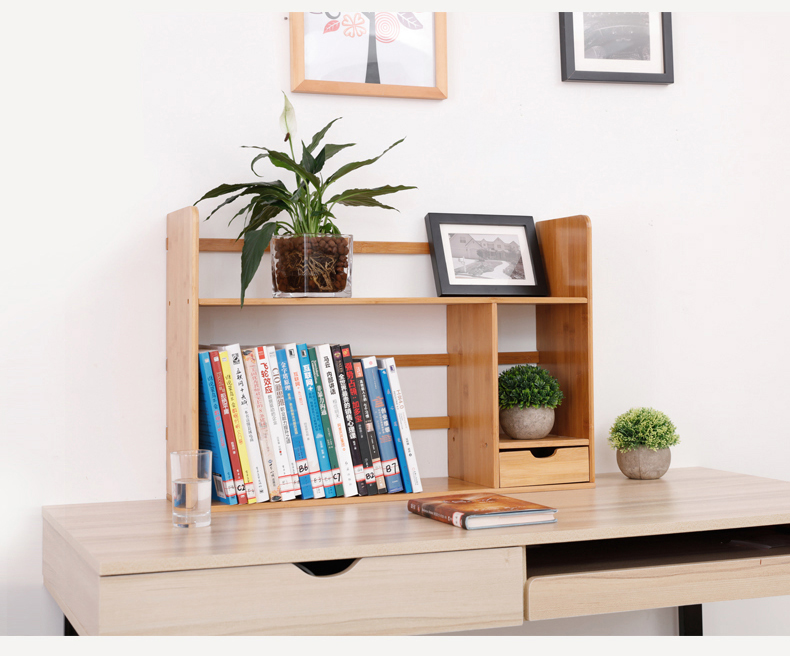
column 563, row 465
column 410, row 594
column 639, row 588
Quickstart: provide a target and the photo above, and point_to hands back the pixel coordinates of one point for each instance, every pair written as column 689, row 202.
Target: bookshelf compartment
column 544, row 465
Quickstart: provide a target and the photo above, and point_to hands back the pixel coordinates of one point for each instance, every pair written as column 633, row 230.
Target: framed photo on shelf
column 399, row 54
column 621, row 46
column 485, row 255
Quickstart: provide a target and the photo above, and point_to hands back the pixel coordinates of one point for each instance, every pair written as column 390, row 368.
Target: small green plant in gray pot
column 527, row 398
column 642, row 437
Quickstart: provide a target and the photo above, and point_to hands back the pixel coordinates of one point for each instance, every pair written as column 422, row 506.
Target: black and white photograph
column 619, row 46
column 484, row 255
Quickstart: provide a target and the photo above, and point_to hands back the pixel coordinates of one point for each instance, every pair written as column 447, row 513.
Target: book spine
column 305, row 425
column 348, row 415
column 243, row 399
column 393, row 417
column 238, row 431
column 282, row 412
column 315, row 421
column 252, row 370
column 381, row 422
column 211, row 435
column 326, row 424
column 403, row 424
column 337, row 419
column 440, row 514
column 370, row 428
column 227, row 425
column 272, row 414
column 302, row 468
column 359, row 428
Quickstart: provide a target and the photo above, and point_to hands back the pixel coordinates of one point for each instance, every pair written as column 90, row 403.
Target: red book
column 227, row 424
column 359, row 421
column 487, row 510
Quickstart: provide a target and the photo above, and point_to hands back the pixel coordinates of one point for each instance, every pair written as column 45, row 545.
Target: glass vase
column 312, row 266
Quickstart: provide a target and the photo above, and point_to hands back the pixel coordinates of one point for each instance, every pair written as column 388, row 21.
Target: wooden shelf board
column 444, row 300
column 431, row 487
column 551, row 440
column 209, row 245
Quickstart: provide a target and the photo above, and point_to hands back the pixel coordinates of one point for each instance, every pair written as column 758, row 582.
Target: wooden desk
column 689, row 538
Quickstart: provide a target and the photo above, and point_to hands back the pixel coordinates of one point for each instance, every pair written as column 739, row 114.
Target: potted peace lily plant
column 642, row 437
column 527, row 398
column 310, row 256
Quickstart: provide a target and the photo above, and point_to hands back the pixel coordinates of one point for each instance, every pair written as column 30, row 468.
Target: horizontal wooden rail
column 443, row 359
column 426, row 423
column 360, row 247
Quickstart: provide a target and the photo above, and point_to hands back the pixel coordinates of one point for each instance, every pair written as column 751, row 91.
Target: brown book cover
column 487, row 510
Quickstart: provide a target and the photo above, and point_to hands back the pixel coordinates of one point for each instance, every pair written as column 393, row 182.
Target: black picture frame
column 568, row 57
column 448, row 285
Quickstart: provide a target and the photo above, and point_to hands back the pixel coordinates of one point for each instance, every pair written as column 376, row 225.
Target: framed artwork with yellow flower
column 399, row 54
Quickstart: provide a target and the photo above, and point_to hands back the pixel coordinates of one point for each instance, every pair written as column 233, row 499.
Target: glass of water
column 190, row 473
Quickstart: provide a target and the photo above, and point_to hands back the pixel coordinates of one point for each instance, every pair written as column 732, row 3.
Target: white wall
column 120, row 117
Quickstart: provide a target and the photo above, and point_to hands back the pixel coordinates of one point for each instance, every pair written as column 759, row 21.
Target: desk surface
column 138, row 537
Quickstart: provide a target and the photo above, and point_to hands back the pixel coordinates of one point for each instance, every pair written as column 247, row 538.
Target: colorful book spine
column 393, row 417
column 403, row 423
column 337, row 420
column 359, row 427
column 227, row 425
column 348, row 416
column 211, row 434
column 326, row 424
column 315, row 421
column 369, row 426
column 247, row 419
column 282, row 412
column 272, row 414
column 257, row 402
column 305, row 425
column 378, row 408
column 302, row 468
column 238, row 431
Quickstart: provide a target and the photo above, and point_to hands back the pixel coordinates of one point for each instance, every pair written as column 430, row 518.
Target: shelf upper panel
column 446, row 300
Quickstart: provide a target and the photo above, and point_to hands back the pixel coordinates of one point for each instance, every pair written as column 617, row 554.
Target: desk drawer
column 411, row 594
column 638, row 588
column 565, row 465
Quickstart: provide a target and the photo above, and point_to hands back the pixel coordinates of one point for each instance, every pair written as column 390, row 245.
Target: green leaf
column 351, row 194
column 353, row 166
column 222, row 190
column 320, row 135
column 365, row 201
column 255, row 243
column 283, row 161
column 255, row 159
column 333, row 149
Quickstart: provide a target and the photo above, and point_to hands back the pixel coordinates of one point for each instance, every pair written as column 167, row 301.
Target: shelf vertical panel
column 182, row 332
column 564, row 332
column 472, row 398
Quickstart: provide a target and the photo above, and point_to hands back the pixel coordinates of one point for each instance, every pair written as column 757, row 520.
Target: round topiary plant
column 642, row 437
column 525, row 386
column 527, row 398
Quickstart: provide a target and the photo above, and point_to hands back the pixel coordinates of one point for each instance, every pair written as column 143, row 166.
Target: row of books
column 288, row 421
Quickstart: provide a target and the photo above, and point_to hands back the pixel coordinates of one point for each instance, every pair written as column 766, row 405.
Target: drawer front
column 639, row 588
column 565, row 465
column 412, row 594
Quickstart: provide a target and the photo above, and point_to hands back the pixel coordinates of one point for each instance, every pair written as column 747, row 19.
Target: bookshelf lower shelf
column 431, row 487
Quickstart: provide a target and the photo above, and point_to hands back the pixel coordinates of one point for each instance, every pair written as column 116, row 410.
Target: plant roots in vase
column 312, row 265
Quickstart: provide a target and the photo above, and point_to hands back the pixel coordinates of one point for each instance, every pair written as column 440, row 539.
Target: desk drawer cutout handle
column 324, row 568
column 543, row 451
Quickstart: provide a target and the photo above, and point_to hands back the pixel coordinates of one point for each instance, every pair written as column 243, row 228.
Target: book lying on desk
column 490, row 510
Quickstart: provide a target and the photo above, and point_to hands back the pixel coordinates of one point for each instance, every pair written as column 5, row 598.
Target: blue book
column 378, row 408
column 315, row 422
column 211, row 435
column 393, row 416
column 302, row 468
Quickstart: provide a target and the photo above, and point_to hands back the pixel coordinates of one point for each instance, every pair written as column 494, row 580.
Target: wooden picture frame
column 300, row 84
column 481, row 254
column 570, row 60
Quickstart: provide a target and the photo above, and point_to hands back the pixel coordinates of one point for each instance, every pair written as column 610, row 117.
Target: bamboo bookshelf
column 479, row 458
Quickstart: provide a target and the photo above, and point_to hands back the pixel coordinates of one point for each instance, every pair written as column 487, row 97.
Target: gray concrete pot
column 526, row 423
column 644, row 463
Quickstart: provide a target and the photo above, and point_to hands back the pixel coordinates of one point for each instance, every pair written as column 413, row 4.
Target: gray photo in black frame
column 485, row 255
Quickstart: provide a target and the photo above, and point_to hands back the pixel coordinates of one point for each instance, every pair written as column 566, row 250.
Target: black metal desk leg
column 68, row 630
column 690, row 620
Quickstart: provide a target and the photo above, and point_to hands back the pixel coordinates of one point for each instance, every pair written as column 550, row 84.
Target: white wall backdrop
column 119, row 117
